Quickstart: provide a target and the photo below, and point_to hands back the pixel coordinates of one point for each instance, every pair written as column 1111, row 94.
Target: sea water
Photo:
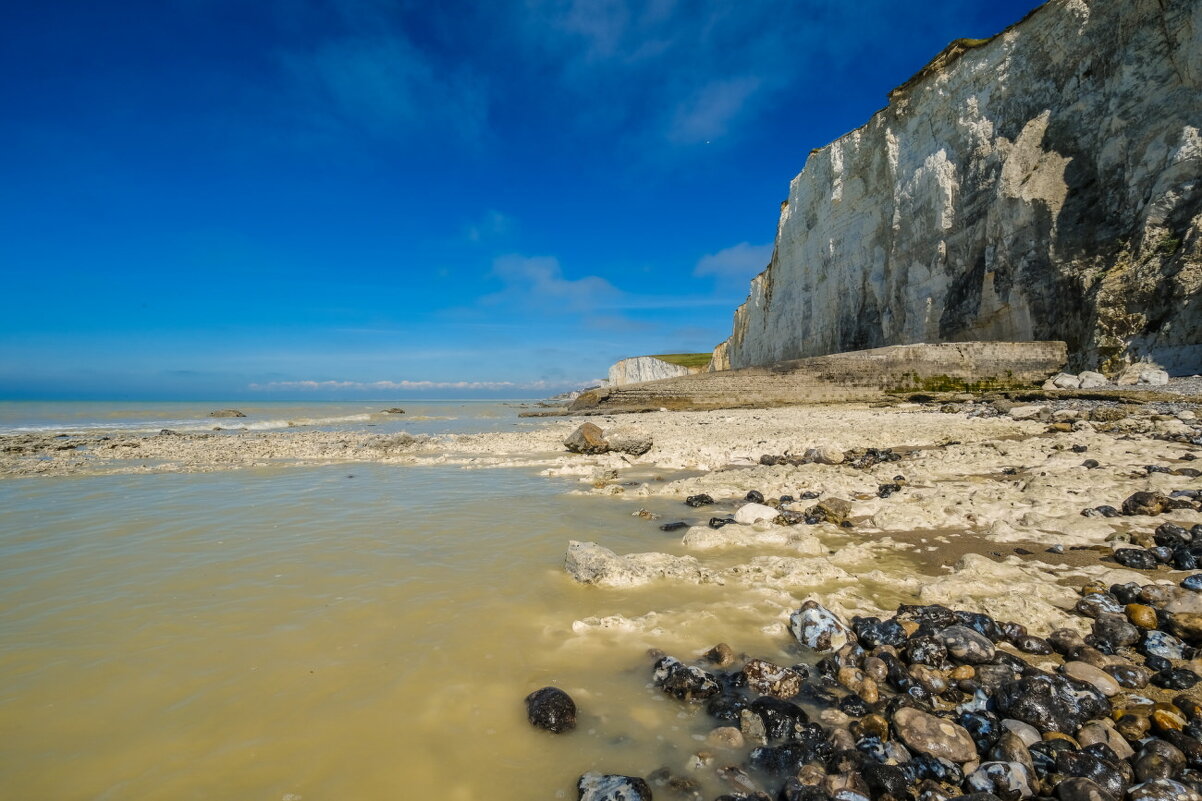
column 360, row 631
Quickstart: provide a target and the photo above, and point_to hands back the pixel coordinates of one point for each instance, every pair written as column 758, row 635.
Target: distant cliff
column 653, row 368
column 1042, row 185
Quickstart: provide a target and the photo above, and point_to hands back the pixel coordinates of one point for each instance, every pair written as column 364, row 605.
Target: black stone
column 1176, row 679
column 754, row 496
column 1135, row 558
column 883, row 779
column 1171, row 535
column 782, row 720
column 873, row 632
column 698, row 500
column 685, row 682
column 551, row 709
column 1051, row 703
column 673, row 526
column 719, row 522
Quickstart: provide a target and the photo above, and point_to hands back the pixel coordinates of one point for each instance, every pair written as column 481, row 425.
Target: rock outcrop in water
column 1042, row 185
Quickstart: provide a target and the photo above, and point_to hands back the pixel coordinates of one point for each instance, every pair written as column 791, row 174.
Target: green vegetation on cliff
column 685, row 359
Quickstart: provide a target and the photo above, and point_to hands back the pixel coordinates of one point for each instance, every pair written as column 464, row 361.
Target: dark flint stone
column 726, row 707
column 786, row 499
column 926, row 767
column 551, row 709
column 1033, row 645
column 828, row 666
column 809, row 495
column 1126, row 593
column 754, row 496
column 845, row 761
column 1171, row 535
column 1155, row 468
column 1149, row 767
column 1162, row 790
column 977, row 796
column 1189, row 747
column 991, row 677
column 812, row 746
column 1163, row 554
column 928, row 651
column 883, row 779
column 1080, row 448
column 782, row 720
column 1132, row 677
column 1098, row 603
column 1186, row 558
column 982, row 624
column 1193, row 582
column 817, row 695
column 698, row 500
column 967, row 645
column 853, row 705
column 612, row 788
column 1108, row 511
column 673, row 526
column 885, row 490
column 1013, row 631
column 1082, row 789
column 1176, row 679
column 794, row 790
column 1091, row 464
column 1157, row 663
column 1008, row 660
column 933, row 616
column 684, row 682
column 1135, row 558
column 1158, row 643
column 768, row 460
column 812, row 520
column 983, row 727
column 1051, row 703
column 719, row 522
column 1043, row 755
column 1145, row 503
column 1115, row 630
column 873, row 749
column 873, row 632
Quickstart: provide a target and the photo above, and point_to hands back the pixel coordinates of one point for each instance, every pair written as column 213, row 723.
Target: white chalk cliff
column 1045, row 184
column 644, row 368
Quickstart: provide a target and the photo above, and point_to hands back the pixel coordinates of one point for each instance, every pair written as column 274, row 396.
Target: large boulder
column 627, row 439
column 587, row 439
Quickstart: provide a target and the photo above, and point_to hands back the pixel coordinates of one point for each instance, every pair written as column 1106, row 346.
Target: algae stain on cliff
column 1017, row 188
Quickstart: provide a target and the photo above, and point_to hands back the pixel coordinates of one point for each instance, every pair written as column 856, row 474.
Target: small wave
column 186, row 426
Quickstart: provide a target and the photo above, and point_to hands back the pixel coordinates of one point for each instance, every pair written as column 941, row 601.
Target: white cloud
column 712, row 110
column 492, row 224
column 737, row 263
column 538, row 282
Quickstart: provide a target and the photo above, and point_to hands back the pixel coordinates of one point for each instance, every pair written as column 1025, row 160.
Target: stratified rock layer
column 1043, row 185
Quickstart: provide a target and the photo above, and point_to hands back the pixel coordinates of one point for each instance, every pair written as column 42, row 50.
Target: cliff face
column 1043, row 185
column 644, row 368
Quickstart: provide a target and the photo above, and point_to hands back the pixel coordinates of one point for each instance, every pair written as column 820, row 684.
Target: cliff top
column 684, row 359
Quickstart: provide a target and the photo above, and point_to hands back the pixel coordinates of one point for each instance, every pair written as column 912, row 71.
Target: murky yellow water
column 285, row 633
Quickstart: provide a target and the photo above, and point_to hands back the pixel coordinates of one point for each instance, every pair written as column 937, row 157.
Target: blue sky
column 353, row 198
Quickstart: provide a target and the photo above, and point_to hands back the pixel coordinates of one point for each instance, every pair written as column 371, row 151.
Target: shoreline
column 967, row 504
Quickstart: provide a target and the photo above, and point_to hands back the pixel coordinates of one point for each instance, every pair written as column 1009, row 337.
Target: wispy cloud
column 372, row 77
column 491, row 225
column 737, row 263
column 712, row 110
column 539, row 283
